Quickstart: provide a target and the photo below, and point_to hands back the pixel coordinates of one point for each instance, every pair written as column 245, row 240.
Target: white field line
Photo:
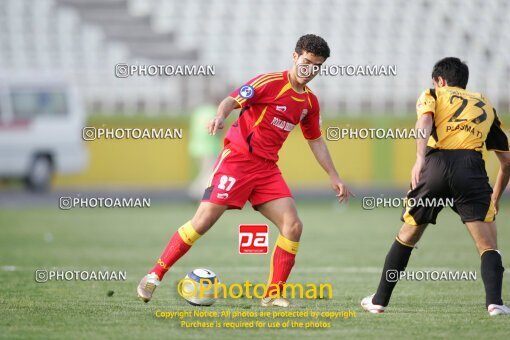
column 246, row 269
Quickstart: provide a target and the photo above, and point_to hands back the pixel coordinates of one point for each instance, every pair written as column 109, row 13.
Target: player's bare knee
column 487, row 242
column 411, row 234
column 293, row 229
column 202, row 222
column 484, row 235
column 206, row 216
column 484, row 246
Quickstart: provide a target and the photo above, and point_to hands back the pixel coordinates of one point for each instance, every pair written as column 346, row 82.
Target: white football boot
column 498, row 310
column 274, row 302
column 367, row 305
column 147, row 286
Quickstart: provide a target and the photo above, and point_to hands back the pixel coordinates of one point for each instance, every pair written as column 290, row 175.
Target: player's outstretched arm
column 425, row 122
column 502, row 179
column 226, row 106
column 321, row 153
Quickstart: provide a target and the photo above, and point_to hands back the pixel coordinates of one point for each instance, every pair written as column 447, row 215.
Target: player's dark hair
column 453, row 70
column 313, row 44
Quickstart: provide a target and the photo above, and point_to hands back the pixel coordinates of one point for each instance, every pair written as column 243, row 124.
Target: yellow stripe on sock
column 403, row 243
column 287, row 245
column 486, row 250
column 271, row 271
column 188, row 234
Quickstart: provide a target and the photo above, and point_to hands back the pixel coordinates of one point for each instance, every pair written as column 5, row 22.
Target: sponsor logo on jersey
column 281, row 124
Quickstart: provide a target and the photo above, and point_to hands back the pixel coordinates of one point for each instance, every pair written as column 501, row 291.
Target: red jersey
column 270, row 109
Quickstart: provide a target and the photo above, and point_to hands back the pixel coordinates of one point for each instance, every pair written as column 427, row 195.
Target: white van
column 41, row 124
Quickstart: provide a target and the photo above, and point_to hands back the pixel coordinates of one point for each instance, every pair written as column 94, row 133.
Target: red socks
column 282, row 261
column 178, row 245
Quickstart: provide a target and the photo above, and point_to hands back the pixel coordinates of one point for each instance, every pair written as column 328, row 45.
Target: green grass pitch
column 344, row 246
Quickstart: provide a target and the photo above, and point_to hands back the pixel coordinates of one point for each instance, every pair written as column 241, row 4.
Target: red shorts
column 238, row 177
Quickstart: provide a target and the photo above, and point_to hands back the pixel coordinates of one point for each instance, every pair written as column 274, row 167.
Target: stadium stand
column 85, row 39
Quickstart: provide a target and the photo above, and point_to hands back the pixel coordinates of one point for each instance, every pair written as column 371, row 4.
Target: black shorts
column 455, row 178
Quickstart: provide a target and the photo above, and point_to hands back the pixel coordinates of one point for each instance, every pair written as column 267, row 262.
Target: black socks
column 396, row 262
column 492, row 276
column 398, row 257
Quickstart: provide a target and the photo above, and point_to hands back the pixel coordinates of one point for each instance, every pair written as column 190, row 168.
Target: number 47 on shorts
column 226, row 183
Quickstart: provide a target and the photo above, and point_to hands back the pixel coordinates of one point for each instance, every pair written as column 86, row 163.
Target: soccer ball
column 198, row 287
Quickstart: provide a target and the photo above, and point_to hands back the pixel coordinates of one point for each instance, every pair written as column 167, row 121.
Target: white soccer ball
column 198, row 287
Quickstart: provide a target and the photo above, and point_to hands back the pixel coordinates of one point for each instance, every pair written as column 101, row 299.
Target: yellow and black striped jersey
column 462, row 120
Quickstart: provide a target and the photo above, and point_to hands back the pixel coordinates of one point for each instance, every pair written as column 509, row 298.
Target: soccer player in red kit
column 271, row 106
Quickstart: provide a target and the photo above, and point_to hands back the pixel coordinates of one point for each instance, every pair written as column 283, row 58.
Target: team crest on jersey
column 246, row 91
column 303, row 114
column 281, row 108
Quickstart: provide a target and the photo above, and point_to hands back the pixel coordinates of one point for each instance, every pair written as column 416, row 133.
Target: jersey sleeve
column 252, row 91
column 426, row 102
column 311, row 122
column 497, row 139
